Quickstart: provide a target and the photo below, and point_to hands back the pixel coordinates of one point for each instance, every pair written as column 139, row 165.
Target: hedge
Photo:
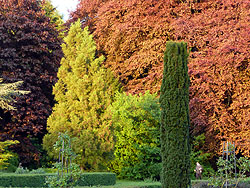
column 37, row 180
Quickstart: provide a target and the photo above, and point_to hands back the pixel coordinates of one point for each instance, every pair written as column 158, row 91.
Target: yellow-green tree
column 83, row 92
column 5, row 155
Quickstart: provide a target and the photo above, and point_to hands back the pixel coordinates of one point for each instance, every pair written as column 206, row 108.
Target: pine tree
column 174, row 100
column 83, row 92
column 7, row 92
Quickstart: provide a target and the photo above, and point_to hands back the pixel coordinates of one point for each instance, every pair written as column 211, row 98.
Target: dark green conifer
column 174, row 100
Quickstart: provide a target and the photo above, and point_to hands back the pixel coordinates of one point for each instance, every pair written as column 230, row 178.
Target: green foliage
column 22, row 180
column 22, row 170
column 137, row 148
column 5, row 155
column 175, row 121
column 83, row 92
column 198, row 155
column 55, row 17
column 226, row 171
column 68, row 171
column 12, row 163
column 37, row 180
column 7, row 92
column 97, row 179
column 38, row 171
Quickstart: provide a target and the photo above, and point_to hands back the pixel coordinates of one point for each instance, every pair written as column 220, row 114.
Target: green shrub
column 137, row 148
column 38, row 180
column 21, row 170
column 198, row 155
column 22, row 180
column 37, row 171
column 95, row 179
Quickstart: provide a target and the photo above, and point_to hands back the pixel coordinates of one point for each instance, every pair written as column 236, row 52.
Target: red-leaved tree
column 29, row 51
column 132, row 35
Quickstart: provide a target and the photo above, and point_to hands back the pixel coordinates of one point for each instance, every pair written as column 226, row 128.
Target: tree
column 175, row 123
column 218, row 34
column 55, row 17
column 7, row 92
column 132, row 35
column 136, row 121
column 4, row 154
column 83, row 92
column 29, row 51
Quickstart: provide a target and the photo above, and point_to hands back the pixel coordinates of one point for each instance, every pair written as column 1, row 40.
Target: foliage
column 226, row 171
column 174, row 100
column 22, row 180
column 55, row 17
column 198, row 155
column 5, row 155
column 137, row 147
column 12, row 163
column 22, row 170
column 83, row 92
column 98, row 179
column 7, row 92
column 68, row 171
column 29, row 51
column 132, row 35
column 219, row 71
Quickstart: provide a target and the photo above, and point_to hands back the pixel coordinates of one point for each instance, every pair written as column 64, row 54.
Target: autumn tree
column 29, row 51
column 132, row 34
column 83, row 92
column 175, row 120
column 218, row 36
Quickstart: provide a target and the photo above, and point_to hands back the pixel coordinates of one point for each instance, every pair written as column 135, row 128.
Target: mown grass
column 127, row 184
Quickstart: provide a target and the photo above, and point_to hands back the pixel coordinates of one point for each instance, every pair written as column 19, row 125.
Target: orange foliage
column 132, row 35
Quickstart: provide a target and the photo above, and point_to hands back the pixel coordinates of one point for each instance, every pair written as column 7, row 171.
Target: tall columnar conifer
column 174, row 100
column 83, row 92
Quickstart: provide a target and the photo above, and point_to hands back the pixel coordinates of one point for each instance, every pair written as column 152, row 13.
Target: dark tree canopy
column 29, row 51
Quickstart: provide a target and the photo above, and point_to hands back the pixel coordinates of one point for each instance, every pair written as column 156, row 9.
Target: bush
column 37, row 171
column 97, row 178
column 21, row 170
column 137, row 148
column 38, row 180
column 22, row 180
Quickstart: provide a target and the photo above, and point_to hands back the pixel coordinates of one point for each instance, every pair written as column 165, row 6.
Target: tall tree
column 175, row 123
column 83, row 92
column 132, row 35
column 29, row 51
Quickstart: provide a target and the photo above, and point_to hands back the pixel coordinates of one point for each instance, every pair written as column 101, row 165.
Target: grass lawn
column 130, row 184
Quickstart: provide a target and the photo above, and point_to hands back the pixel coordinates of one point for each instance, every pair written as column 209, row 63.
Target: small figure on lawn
column 198, row 170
